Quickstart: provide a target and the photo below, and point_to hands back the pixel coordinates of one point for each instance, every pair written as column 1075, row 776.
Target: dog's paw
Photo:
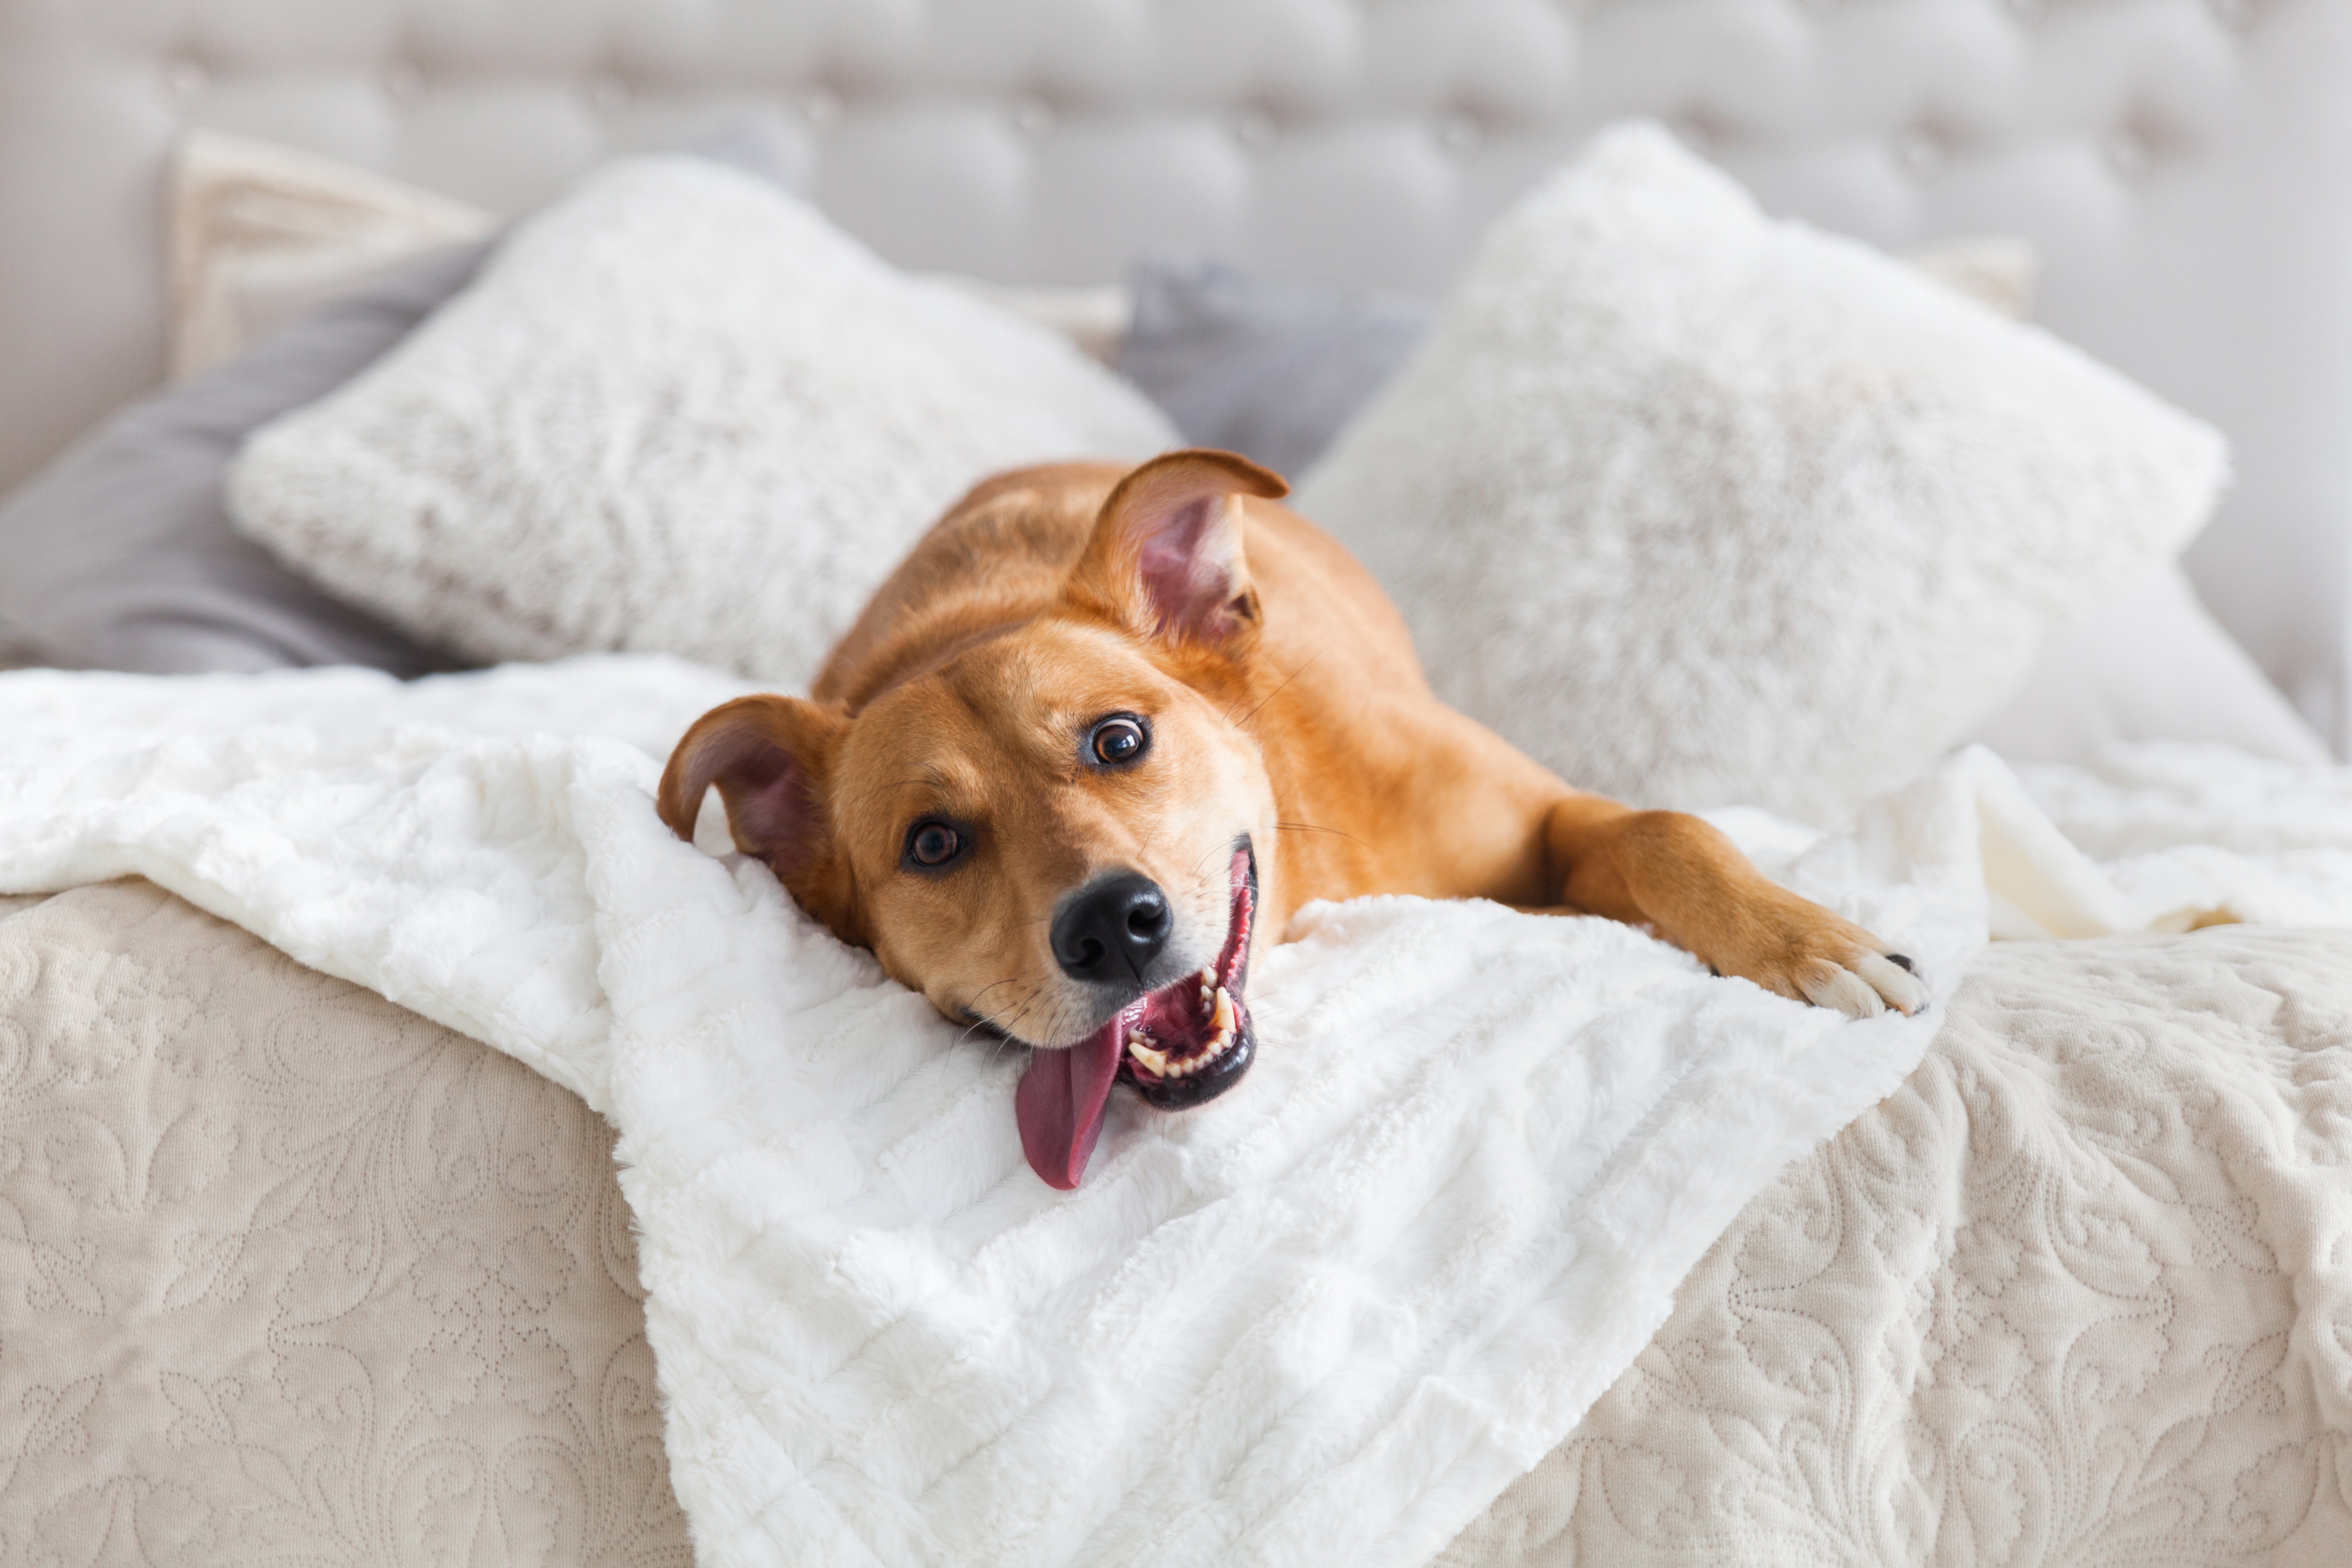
column 1809, row 954
column 1866, row 983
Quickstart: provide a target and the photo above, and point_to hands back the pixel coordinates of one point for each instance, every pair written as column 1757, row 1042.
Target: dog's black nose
column 1111, row 928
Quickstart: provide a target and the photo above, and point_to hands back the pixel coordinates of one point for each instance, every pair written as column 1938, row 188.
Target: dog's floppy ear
column 1165, row 558
column 769, row 757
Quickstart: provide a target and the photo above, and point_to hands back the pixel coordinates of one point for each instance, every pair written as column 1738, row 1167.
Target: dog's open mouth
column 1185, row 1043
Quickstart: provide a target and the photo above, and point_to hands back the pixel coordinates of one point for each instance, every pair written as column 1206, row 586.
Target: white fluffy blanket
column 1324, row 1320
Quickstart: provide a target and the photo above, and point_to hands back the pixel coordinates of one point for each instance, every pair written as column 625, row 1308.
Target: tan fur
column 1296, row 713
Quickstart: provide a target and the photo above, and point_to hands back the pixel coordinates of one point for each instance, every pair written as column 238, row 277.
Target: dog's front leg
column 1677, row 875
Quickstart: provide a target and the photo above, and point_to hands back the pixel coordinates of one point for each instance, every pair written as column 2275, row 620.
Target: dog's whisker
column 1244, row 721
column 1315, row 827
column 980, row 1020
column 1007, row 1037
column 1201, row 866
column 1020, row 1009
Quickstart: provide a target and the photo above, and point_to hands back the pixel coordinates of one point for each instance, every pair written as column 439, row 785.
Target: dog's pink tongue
column 1060, row 1105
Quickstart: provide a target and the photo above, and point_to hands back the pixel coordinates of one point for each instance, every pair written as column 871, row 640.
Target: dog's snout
column 1112, row 927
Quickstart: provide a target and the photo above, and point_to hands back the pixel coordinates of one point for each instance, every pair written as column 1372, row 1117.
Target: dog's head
column 1053, row 830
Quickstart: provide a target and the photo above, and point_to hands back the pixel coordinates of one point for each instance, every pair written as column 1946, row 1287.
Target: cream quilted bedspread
column 290, row 1275
column 2079, row 1292
column 295, row 1275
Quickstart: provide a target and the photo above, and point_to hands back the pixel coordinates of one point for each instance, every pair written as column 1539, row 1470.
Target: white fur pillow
column 1703, row 508
column 679, row 412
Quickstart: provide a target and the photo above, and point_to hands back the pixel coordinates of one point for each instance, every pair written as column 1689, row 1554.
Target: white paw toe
column 1900, row 987
column 1845, row 991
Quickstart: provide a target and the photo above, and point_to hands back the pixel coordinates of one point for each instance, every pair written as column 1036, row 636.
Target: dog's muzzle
column 1181, row 1045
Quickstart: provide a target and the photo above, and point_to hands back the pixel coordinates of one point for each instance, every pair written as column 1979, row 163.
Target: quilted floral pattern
column 290, row 1275
column 2081, row 1293
column 293, row 1275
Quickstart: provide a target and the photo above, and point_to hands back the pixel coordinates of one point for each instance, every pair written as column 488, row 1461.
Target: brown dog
column 1102, row 733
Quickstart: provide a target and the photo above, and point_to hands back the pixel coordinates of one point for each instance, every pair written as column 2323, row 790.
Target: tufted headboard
column 2185, row 166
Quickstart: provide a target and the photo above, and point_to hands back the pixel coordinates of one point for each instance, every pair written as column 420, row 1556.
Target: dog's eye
column 1118, row 739
column 932, row 845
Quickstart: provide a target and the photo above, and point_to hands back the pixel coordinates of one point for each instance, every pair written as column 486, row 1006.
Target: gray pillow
column 119, row 555
column 1269, row 367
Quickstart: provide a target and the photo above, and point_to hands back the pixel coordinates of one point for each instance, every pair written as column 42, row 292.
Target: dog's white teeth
column 1223, row 1029
column 1208, row 976
column 1139, row 1045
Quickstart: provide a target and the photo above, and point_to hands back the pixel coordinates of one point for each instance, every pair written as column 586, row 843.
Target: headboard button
column 1460, row 133
column 2128, row 151
column 185, row 79
column 1253, row 129
column 1033, row 116
column 401, row 79
column 1920, row 152
column 1697, row 130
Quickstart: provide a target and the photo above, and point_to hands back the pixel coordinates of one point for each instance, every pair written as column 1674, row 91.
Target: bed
column 298, row 1272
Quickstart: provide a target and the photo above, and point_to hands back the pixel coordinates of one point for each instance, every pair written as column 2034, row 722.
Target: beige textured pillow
column 2000, row 272
column 262, row 234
